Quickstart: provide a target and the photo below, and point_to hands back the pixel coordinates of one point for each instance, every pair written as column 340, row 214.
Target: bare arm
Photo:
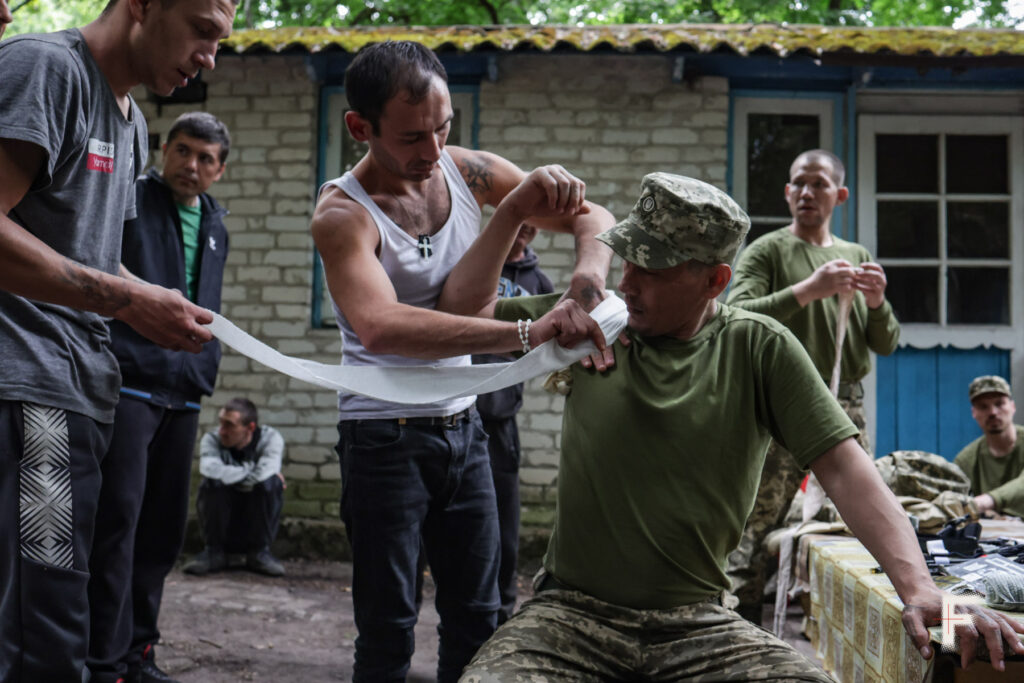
column 347, row 241
column 871, row 511
column 30, row 268
column 471, row 287
column 492, row 178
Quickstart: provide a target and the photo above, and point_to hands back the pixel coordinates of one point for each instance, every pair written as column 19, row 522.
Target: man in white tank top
column 404, row 266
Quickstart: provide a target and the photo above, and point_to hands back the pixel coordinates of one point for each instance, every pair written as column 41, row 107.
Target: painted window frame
column 964, row 336
column 465, row 98
column 830, row 108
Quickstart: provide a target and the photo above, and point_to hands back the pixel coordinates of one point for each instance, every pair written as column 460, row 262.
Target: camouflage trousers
column 780, row 479
column 565, row 635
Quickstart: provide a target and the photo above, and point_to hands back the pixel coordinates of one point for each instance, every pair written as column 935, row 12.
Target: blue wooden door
column 922, row 397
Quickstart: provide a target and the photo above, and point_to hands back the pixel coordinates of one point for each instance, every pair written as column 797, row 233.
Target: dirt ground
column 238, row 626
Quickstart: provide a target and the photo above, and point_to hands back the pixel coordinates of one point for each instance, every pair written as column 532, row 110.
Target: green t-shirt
column 1002, row 478
column 765, row 275
column 190, row 217
column 661, row 456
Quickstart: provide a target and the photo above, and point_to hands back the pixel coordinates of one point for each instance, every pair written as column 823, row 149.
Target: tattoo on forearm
column 477, row 175
column 590, row 292
column 100, row 297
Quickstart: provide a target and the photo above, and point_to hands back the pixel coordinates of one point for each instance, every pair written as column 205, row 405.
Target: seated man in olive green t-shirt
column 660, row 461
column 793, row 274
column 994, row 462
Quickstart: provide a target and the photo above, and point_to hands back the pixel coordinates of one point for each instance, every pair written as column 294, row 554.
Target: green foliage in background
column 49, row 15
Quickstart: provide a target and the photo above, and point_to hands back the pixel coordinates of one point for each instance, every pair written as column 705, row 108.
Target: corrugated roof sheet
column 742, row 39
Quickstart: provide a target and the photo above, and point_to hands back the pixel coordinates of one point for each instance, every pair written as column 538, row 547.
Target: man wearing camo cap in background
column 660, row 461
column 994, row 462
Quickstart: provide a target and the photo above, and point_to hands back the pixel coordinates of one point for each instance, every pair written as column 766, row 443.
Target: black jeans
column 503, row 446
column 238, row 521
column 401, row 484
column 49, row 486
column 140, row 528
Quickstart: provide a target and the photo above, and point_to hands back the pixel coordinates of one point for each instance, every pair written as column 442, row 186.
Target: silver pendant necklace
column 422, row 240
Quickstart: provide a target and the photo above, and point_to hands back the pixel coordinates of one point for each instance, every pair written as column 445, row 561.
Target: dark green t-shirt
column 661, row 456
column 765, row 275
column 1002, row 478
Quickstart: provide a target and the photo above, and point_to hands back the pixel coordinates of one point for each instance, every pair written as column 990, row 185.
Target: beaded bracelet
column 523, row 326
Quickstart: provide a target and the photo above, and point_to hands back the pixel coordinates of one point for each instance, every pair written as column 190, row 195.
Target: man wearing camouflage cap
column 994, row 462
column 660, row 461
column 795, row 274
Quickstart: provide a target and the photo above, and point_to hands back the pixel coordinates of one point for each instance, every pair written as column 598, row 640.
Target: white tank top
column 418, row 281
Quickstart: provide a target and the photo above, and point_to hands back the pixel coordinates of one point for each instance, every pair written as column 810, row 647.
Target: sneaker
column 264, row 563
column 151, row 673
column 206, row 562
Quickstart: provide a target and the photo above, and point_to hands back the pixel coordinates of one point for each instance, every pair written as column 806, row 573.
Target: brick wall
column 608, row 119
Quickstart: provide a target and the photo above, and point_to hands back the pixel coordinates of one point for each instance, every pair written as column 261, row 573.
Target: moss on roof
column 743, row 39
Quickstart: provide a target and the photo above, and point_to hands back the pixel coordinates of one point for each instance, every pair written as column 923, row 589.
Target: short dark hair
column 245, row 408
column 165, row 3
column 203, row 126
column 382, row 70
column 819, row 155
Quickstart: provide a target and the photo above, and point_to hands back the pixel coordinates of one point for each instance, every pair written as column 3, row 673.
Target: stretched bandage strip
column 425, row 383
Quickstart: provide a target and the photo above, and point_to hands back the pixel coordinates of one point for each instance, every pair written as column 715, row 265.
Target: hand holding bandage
column 428, row 384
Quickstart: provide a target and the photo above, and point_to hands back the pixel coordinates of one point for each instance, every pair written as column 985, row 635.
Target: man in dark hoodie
column 178, row 241
column 520, row 276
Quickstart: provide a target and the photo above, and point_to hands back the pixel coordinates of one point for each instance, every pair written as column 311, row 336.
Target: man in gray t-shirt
column 71, row 143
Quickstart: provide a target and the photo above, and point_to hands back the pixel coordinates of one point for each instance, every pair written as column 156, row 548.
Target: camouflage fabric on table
column 677, row 219
column 921, row 474
column 750, row 565
column 564, row 635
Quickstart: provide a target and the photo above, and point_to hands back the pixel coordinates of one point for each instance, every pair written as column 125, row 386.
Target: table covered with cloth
column 855, row 617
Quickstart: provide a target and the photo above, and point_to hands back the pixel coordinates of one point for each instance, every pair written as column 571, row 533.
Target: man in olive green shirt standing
column 794, row 274
column 994, row 462
column 660, row 461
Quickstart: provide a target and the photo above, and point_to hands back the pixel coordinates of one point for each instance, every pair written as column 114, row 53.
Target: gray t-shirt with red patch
column 54, row 95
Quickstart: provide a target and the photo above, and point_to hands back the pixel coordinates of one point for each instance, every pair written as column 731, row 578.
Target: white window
column 939, row 202
column 768, row 133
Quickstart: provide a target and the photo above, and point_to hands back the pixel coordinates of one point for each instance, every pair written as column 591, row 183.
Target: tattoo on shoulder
column 477, row 173
column 102, row 298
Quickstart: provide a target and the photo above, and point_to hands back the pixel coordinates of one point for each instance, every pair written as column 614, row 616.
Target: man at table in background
column 994, row 462
column 793, row 274
column 659, row 466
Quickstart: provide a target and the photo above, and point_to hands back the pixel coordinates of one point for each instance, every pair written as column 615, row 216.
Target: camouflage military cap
column 677, row 219
column 988, row 384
